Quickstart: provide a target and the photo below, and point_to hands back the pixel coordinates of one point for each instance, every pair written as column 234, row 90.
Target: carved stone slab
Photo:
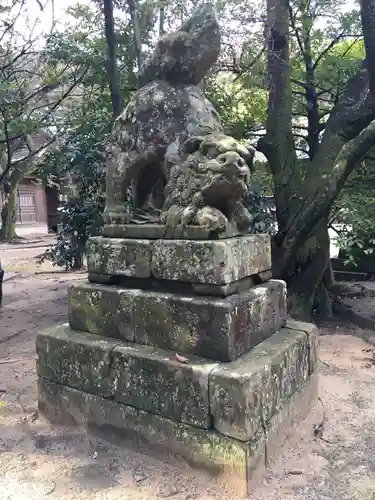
column 208, row 262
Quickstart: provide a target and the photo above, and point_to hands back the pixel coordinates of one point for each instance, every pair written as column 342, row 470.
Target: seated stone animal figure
column 208, row 186
column 149, row 142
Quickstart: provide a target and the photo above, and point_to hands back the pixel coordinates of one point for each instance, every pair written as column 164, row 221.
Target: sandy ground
column 38, row 461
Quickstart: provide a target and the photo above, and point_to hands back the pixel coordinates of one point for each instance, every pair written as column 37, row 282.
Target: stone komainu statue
column 168, row 147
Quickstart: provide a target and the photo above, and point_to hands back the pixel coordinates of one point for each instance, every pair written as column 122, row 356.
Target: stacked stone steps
column 230, row 418
column 176, row 350
column 218, row 328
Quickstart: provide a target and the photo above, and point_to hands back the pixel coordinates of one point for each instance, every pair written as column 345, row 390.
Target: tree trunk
column 307, row 275
column 9, row 215
column 112, row 72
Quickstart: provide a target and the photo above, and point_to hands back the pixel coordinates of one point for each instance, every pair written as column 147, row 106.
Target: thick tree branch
column 368, row 27
column 348, row 158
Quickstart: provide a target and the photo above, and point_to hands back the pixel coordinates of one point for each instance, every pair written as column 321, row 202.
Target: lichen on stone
column 168, row 147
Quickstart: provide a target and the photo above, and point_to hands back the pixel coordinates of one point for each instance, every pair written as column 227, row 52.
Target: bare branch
column 327, row 49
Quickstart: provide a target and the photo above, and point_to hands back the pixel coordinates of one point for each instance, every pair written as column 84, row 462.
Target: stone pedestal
column 183, row 344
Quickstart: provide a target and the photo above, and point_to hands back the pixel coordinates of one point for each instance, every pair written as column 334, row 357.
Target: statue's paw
column 242, row 217
column 211, row 218
column 116, row 216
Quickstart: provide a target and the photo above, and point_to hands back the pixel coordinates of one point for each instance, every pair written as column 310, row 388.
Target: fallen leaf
column 181, row 359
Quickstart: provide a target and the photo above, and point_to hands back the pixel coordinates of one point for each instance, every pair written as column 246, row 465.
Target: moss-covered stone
column 216, row 262
column 121, row 257
column 282, row 426
column 103, row 310
column 245, row 394
column 154, row 380
column 234, row 461
column 158, row 231
column 186, row 55
column 75, row 359
column 220, row 329
column 312, row 333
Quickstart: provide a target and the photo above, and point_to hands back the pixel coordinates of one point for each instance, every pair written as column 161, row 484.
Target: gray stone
column 246, row 393
column 159, row 231
column 103, row 310
column 155, row 380
column 216, row 262
column 312, row 332
column 234, row 462
column 75, row 359
column 186, row 55
column 219, row 329
column 121, row 257
column 234, row 287
column 282, row 426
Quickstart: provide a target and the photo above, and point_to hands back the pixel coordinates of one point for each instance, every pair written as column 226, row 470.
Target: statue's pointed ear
column 192, row 144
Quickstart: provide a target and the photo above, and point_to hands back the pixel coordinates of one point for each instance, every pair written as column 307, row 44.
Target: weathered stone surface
column 282, row 426
column 103, row 310
column 246, row 393
column 216, row 262
column 154, row 380
column 237, row 464
column 312, row 333
column 234, row 287
column 208, row 185
column 185, row 56
column 159, row 231
column 123, row 257
column 75, row 359
column 220, row 329
column 171, row 136
column 234, row 462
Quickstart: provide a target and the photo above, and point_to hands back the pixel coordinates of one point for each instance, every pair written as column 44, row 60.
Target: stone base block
column 159, row 231
column 208, row 262
column 80, row 360
column 247, row 393
column 145, row 377
column 103, row 310
column 237, row 464
column 216, row 328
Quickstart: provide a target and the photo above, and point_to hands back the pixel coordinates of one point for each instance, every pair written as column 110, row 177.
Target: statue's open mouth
column 219, row 193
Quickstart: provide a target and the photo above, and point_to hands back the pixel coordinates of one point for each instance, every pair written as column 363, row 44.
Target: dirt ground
column 39, row 461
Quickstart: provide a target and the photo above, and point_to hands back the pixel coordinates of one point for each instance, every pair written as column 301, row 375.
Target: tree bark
column 301, row 246
column 368, row 27
column 112, row 73
column 133, row 10
column 308, row 291
column 278, row 143
column 9, row 215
